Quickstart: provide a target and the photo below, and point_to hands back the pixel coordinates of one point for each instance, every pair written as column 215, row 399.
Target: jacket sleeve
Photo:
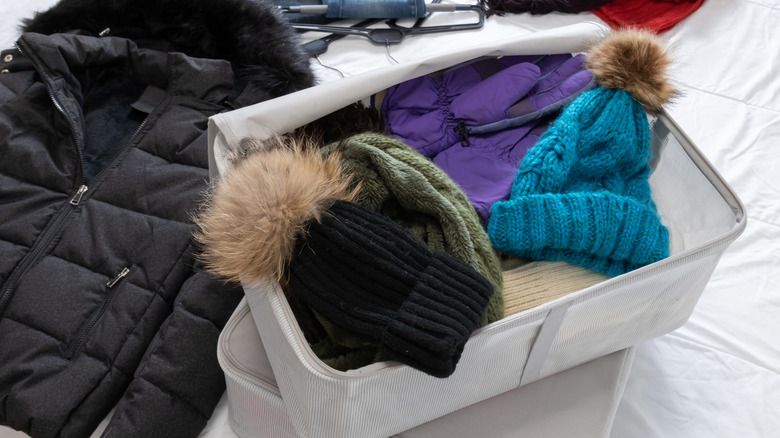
column 179, row 381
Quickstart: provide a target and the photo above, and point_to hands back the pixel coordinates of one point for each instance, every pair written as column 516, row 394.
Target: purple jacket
column 477, row 121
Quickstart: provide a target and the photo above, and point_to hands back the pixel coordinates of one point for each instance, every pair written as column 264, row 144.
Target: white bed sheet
column 719, row 374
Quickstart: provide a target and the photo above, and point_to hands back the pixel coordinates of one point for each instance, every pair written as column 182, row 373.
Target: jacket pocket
column 113, row 287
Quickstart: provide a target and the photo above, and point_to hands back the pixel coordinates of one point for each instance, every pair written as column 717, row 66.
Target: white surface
column 718, row 375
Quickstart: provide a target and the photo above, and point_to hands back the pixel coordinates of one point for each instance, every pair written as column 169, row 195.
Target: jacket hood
column 251, row 34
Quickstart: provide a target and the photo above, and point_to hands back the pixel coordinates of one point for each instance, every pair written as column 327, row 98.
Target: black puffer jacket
column 102, row 164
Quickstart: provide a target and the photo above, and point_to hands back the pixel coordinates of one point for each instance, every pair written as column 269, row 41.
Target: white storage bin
column 702, row 213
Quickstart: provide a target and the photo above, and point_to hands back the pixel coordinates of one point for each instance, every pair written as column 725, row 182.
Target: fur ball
column 254, row 215
column 636, row 61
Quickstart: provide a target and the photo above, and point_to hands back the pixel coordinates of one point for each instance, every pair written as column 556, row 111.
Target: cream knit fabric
column 534, row 283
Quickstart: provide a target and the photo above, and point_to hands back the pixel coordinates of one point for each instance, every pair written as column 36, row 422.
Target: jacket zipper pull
column 77, row 197
column 118, row 277
column 464, row 135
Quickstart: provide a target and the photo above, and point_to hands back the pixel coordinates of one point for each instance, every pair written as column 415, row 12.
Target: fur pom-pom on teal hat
column 582, row 193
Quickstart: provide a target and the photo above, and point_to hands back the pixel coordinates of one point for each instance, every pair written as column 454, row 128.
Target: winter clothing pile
column 106, row 297
column 103, row 112
column 406, row 194
column 581, row 197
column 284, row 212
column 582, row 194
column 478, row 121
column 401, row 184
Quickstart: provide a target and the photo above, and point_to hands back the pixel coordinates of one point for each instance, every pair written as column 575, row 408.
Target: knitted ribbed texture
column 536, row 283
column 401, row 184
column 367, row 275
column 582, row 193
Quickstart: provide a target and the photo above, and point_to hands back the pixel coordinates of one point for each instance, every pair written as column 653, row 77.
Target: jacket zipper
column 51, row 232
column 43, row 242
column 87, row 329
column 72, row 124
column 47, row 80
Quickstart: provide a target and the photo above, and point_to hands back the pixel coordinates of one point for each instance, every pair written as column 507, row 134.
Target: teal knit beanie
column 582, row 194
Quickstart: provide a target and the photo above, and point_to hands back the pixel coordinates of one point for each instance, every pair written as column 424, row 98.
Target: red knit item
column 654, row 15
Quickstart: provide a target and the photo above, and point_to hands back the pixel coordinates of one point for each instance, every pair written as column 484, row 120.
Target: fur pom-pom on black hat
column 253, row 217
column 636, row 61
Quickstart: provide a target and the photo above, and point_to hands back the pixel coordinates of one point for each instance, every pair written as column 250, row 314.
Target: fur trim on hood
column 257, row 211
column 251, row 34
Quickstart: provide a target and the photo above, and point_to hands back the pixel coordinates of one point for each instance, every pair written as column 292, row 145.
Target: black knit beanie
column 370, row 276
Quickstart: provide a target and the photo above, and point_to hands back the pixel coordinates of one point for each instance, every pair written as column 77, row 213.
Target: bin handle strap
column 542, row 344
